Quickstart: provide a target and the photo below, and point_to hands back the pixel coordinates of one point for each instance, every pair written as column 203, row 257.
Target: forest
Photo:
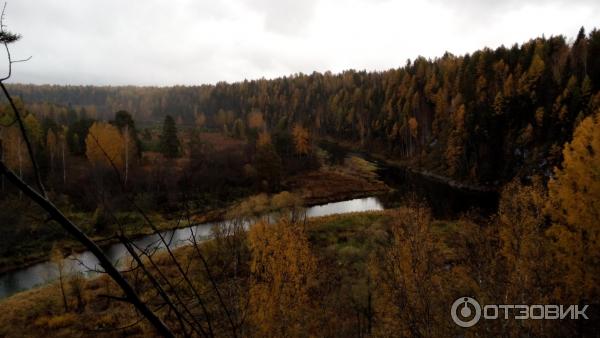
column 482, row 117
column 252, row 157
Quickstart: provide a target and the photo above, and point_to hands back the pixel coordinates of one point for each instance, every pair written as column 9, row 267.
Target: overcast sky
column 169, row 42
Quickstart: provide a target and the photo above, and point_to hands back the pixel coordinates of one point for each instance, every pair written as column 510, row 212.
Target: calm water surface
column 85, row 262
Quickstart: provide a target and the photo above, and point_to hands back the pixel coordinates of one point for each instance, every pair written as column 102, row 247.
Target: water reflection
column 359, row 204
column 86, row 263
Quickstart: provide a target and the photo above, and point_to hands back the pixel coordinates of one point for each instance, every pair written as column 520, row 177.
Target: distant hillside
column 481, row 117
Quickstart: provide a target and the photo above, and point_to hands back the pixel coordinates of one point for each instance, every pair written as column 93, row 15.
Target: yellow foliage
column 525, row 249
column 255, row 120
column 200, row 120
column 508, row 88
column 51, row 142
column 105, row 145
column 499, row 104
column 539, row 117
column 575, row 206
column 252, row 207
column 34, row 129
column 283, row 269
column 408, row 274
column 413, row 125
column 301, row 139
column 224, row 118
column 536, row 68
column 530, row 78
column 455, row 148
column 264, row 138
column 285, row 199
column 62, row 321
column 14, row 150
column 526, row 135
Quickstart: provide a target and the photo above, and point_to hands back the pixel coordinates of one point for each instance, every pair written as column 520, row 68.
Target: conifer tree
column 169, row 143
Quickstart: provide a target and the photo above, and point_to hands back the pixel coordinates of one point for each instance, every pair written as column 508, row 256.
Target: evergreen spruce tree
column 169, row 143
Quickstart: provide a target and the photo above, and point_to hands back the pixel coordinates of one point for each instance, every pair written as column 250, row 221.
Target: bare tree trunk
column 126, row 152
column 64, row 168
column 2, row 158
column 157, row 286
column 20, row 157
column 34, row 164
column 62, row 286
column 52, row 161
column 20, row 164
column 72, row 229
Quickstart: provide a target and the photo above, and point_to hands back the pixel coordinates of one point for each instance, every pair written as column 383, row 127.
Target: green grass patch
column 347, row 238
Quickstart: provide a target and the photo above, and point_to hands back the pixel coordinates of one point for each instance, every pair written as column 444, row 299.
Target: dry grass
column 328, row 184
column 39, row 312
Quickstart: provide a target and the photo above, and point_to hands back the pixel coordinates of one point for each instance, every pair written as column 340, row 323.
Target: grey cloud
column 486, row 8
column 160, row 42
column 285, row 16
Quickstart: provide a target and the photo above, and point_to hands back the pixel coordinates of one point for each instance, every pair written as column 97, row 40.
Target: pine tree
column 268, row 165
column 51, row 146
column 169, row 143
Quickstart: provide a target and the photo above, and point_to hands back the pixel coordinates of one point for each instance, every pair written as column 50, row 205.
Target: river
column 445, row 201
column 85, row 262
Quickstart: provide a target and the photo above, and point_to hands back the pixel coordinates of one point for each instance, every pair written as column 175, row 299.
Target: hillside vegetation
column 481, row 117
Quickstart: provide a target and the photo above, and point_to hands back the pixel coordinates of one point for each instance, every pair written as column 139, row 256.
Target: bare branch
column 161, row 237
column 120, row 328
column 156, row 284
column 210, row 276
column 22, row 60
column 72, row 229
column 117, row 298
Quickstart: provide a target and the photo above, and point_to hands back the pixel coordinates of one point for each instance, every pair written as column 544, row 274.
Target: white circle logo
column 461, row 311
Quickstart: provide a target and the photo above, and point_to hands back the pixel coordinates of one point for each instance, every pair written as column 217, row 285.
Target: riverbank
column 410, row 165
column 342, row 245
column 329, row 184
column 254, row 207
column 454, row 183
column 42, row 309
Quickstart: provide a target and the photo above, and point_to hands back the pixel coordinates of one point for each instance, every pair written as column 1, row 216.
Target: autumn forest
column 352, row 204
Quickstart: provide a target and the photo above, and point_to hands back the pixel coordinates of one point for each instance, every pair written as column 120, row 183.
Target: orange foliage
column 255, row 120
column 264, row 138
column 301, row 139
column 413, row 125
column 105, row 145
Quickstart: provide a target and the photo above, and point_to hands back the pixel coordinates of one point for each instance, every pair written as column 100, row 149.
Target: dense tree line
column 160, row 167
column 482, row 116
